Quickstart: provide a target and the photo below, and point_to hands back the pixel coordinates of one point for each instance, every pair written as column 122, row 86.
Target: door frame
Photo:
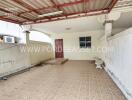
column 57, row 51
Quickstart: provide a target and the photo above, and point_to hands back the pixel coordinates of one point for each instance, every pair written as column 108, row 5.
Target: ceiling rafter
column 84, row 5
column 65, row 5
column 53, row 2
column 76, row 13
column 9, row 20
column 57, row 5
column 68, row 16
column 20, row 2
column 10, row 13
column 112, row 4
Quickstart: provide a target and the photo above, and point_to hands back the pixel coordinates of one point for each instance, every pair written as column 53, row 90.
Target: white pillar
column 108, row 20
column 26, row 30
column 108, row 28
column 27, row 36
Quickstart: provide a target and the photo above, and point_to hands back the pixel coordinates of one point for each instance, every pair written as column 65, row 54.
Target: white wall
column 40, row 51
column 71, row 45
column 118, row 60
column 12, row 29
column 117, row 30
column 17, row 57
column 11, row 59
column 14, row 57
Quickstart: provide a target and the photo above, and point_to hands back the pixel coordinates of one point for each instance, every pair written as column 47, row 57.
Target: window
column 85, row 42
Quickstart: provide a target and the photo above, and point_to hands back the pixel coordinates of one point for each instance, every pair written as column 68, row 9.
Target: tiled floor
column 75, row 80
column 56, row 61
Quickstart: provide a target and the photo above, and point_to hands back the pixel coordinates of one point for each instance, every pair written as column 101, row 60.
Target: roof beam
column 9, row 20
column 56, row 6
column 112, row 4
column 72, row 15
column 53, row 2
column 84, row 5
column 42, row 18
column 8, row 12
column 3, row 10
column 23, row 4
column 84, row 15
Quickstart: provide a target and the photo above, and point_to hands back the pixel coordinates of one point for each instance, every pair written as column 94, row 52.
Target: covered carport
column 93, row 36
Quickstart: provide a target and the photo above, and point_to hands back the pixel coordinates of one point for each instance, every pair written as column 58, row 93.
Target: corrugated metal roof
column 123, row 3
column 27, row 11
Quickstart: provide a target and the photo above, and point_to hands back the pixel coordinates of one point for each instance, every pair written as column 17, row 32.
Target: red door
column 59, row 48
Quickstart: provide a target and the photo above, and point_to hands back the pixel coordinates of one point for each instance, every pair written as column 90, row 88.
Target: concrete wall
column 40, row 51
column 14, row 57
column 13, row 30
column 71, row 44
column 118, row 59
column 117, row 30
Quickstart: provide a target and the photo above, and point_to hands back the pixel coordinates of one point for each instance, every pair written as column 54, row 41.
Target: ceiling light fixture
column 51, row 14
